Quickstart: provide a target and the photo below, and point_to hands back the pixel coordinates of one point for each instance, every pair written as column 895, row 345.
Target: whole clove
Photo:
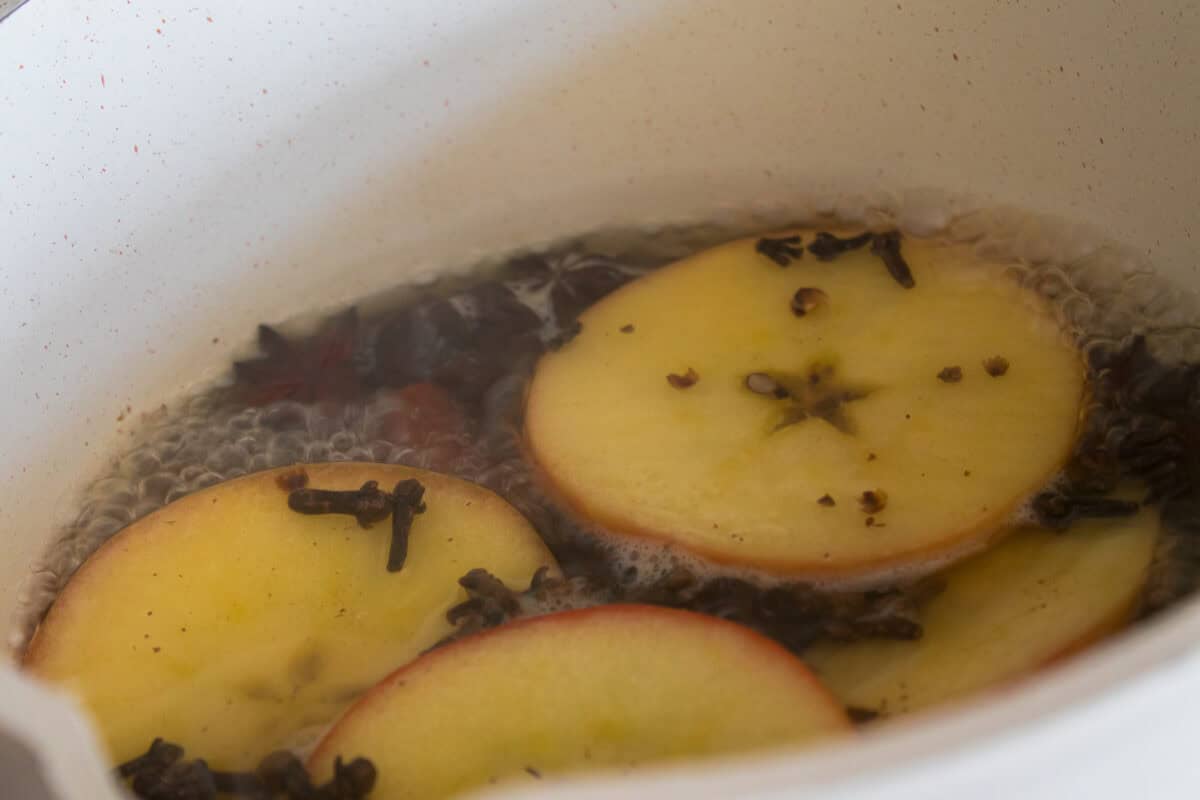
column 367, row 504
column 887, row 247
column 490, row 601
column 240, row 784
column 406, row 504
column 352, row 781
column 183, row 780
column 795, row 614
column 827, row 247
column 1057, row 511
column 282, row 772
column 162, row 774
column 782, row 251
column 161, row 755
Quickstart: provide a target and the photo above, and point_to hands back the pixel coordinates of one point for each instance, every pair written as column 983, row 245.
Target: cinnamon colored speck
column 996, row 366
column 684, row 381
column 292, row 480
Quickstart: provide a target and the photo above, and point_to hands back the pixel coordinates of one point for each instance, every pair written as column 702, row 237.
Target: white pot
column 171, row 175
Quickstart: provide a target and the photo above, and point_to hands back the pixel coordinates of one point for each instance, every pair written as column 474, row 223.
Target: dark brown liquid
column 434, row 379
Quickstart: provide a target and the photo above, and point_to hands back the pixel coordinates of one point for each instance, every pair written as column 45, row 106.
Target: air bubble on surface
column 1102, row 292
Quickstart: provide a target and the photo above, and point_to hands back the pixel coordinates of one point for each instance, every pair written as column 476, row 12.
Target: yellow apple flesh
column 736, row 475
column 1033, row 598
column 608, row 687
column 232, row 625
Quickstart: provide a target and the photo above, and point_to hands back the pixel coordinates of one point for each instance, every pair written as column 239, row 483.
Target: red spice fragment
column 684, row 381
column 318, row 368
column 426, row 413
column 995, row 366
column 950, row 375
column 872, row 501
column 428, row 418
column 808, row 299
column 292, row 480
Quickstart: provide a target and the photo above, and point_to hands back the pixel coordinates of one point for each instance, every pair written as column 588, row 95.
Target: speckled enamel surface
column 173, row 173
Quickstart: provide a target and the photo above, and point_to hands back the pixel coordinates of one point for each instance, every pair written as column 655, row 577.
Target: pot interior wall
column 171, row 179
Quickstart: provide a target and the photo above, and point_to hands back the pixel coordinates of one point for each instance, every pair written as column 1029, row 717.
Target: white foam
column 1104, row 292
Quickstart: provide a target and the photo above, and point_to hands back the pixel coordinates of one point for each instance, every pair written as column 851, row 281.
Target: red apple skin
column 727, row 633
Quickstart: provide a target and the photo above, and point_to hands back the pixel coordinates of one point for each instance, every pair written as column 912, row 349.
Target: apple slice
column 816, row 420
column 232, row 625
column 611, row 686
column 1035, row 597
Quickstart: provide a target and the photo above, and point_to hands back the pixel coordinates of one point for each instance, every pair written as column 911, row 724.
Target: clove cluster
column 369, row 504
column 162, row 773
column 1145, row 424
column 1058, row 510
column 826, row 246
column 793, row 614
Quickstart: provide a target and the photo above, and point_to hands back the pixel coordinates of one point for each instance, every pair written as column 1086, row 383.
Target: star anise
column 317, row 368
column 463, row 343
column 573, row 282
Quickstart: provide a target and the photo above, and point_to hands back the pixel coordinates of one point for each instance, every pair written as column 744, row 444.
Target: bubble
column 380, row 451
column 317, row 451
column 244, row 420
column 154, row 489
column 286, row 448
column 140, row 462
column 225, row 458
column 176, row 493
column 342, row 442
column 206, row 480
column 1100, row 290
column 284, row 417
column 190, row 472
column 101, row 528
column 252, row 444
column 360, row 454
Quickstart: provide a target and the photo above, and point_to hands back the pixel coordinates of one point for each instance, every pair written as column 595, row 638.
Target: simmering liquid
column 435, row 377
